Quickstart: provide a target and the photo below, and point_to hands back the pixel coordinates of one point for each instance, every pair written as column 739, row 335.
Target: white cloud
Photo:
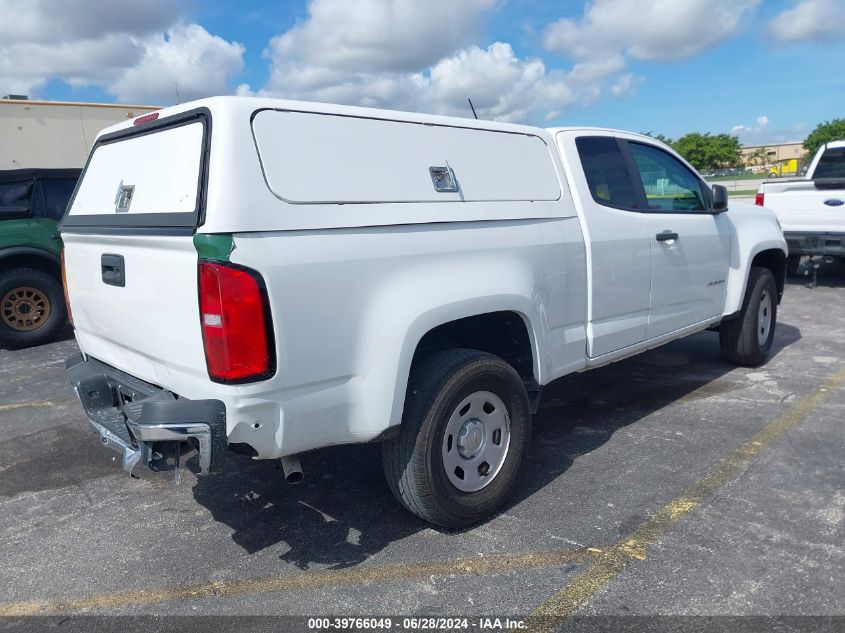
column 501, row 85
column 746, row 132
column 625, row 84
column 647, row 29
column 413, row 55
column 379, row 35
column 809, row 20
column 47, row 22
column 135, row 51
column 187, row 59
column 763, row 133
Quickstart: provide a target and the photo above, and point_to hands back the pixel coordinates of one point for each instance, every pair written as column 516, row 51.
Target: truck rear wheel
column 792, row 264
column 465, row 428
column 747, row 339
column 32, row 307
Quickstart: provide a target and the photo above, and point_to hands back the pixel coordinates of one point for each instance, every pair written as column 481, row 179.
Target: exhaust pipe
column 292, row 469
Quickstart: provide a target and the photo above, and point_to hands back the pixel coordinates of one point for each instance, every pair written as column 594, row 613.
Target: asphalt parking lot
column 672, row 483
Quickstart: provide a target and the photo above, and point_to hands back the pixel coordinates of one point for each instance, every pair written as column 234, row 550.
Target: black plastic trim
column 28, row 250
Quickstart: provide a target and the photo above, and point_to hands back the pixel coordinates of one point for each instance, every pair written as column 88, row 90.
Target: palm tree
column 759, row 156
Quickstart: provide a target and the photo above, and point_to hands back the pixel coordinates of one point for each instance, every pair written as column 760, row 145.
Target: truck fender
column 14, row 251
column 755, row 230
column 407, row 308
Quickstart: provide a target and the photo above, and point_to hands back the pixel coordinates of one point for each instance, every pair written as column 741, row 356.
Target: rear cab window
column 831, row 164
column 149, row 177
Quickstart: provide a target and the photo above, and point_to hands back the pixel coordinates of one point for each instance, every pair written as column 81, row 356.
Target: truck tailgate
column 130, row 261
column 150, row 325
column 800, row 206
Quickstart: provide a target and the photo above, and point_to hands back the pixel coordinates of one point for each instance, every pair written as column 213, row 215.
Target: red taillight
column 759, row 200
column 64, row 287
column 236, row 327
column 145, row 119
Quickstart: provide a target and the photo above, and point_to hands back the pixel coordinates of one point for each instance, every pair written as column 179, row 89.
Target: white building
column 55, row 133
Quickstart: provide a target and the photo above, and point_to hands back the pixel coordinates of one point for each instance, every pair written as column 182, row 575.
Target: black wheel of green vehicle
column 465, row 428
column 32, row 307
column 792, row 264
column 747, row 339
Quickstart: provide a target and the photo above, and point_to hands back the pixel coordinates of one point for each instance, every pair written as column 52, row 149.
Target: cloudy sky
column 767, row 70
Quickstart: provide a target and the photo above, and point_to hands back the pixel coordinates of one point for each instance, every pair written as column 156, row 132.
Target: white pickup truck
column 272, row 277
column 811, row 210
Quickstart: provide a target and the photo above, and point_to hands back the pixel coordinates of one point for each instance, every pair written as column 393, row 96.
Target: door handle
column 113, row 270
column 666, row 236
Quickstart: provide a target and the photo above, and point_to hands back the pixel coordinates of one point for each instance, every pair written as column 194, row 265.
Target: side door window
column 15, row 200
column 619, row 242
column 55, row 195
column 669, row 185
column 607, row 172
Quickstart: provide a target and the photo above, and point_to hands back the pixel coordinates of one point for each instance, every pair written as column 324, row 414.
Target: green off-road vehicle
column 32, row 305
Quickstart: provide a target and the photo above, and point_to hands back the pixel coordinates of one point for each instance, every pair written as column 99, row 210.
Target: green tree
column 709, row 151
column 828, row 131
column 661, row 137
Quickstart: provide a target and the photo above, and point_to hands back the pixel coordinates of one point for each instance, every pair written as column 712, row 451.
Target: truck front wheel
column 747, row 339
column 464, row 430
column 32, row 307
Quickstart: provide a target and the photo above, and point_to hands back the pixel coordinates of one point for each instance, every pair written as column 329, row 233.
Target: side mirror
column 720, row 199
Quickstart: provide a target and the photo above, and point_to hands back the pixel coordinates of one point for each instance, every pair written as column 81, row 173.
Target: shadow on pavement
column 344, row 512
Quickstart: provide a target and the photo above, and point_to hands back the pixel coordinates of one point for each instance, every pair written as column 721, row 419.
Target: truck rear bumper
column 815, row 243
column 132, row 416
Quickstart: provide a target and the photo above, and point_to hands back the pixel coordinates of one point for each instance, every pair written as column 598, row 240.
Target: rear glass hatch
column 129, row 255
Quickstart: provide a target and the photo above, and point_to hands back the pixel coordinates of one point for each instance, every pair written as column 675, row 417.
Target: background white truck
column 811, row 210
column 275, row 277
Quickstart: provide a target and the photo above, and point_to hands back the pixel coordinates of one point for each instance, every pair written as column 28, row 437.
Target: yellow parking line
column 611, row 561
column 26, row 405
column 307, row 580
column 604, row 564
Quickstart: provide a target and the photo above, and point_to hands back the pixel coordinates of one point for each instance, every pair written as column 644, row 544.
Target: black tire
column 51, row 296
column 738, row 337
column 792, row 264
column 413, row 463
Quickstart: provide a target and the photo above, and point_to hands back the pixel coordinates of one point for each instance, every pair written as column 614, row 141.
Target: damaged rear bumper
column 132, row 416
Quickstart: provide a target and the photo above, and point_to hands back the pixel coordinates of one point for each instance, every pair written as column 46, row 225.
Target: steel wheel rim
column 476, row 441
column 764, row 318
column 25, row 309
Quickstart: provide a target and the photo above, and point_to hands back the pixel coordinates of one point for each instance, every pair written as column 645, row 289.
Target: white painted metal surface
column 316, row 157
column 801, row 207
